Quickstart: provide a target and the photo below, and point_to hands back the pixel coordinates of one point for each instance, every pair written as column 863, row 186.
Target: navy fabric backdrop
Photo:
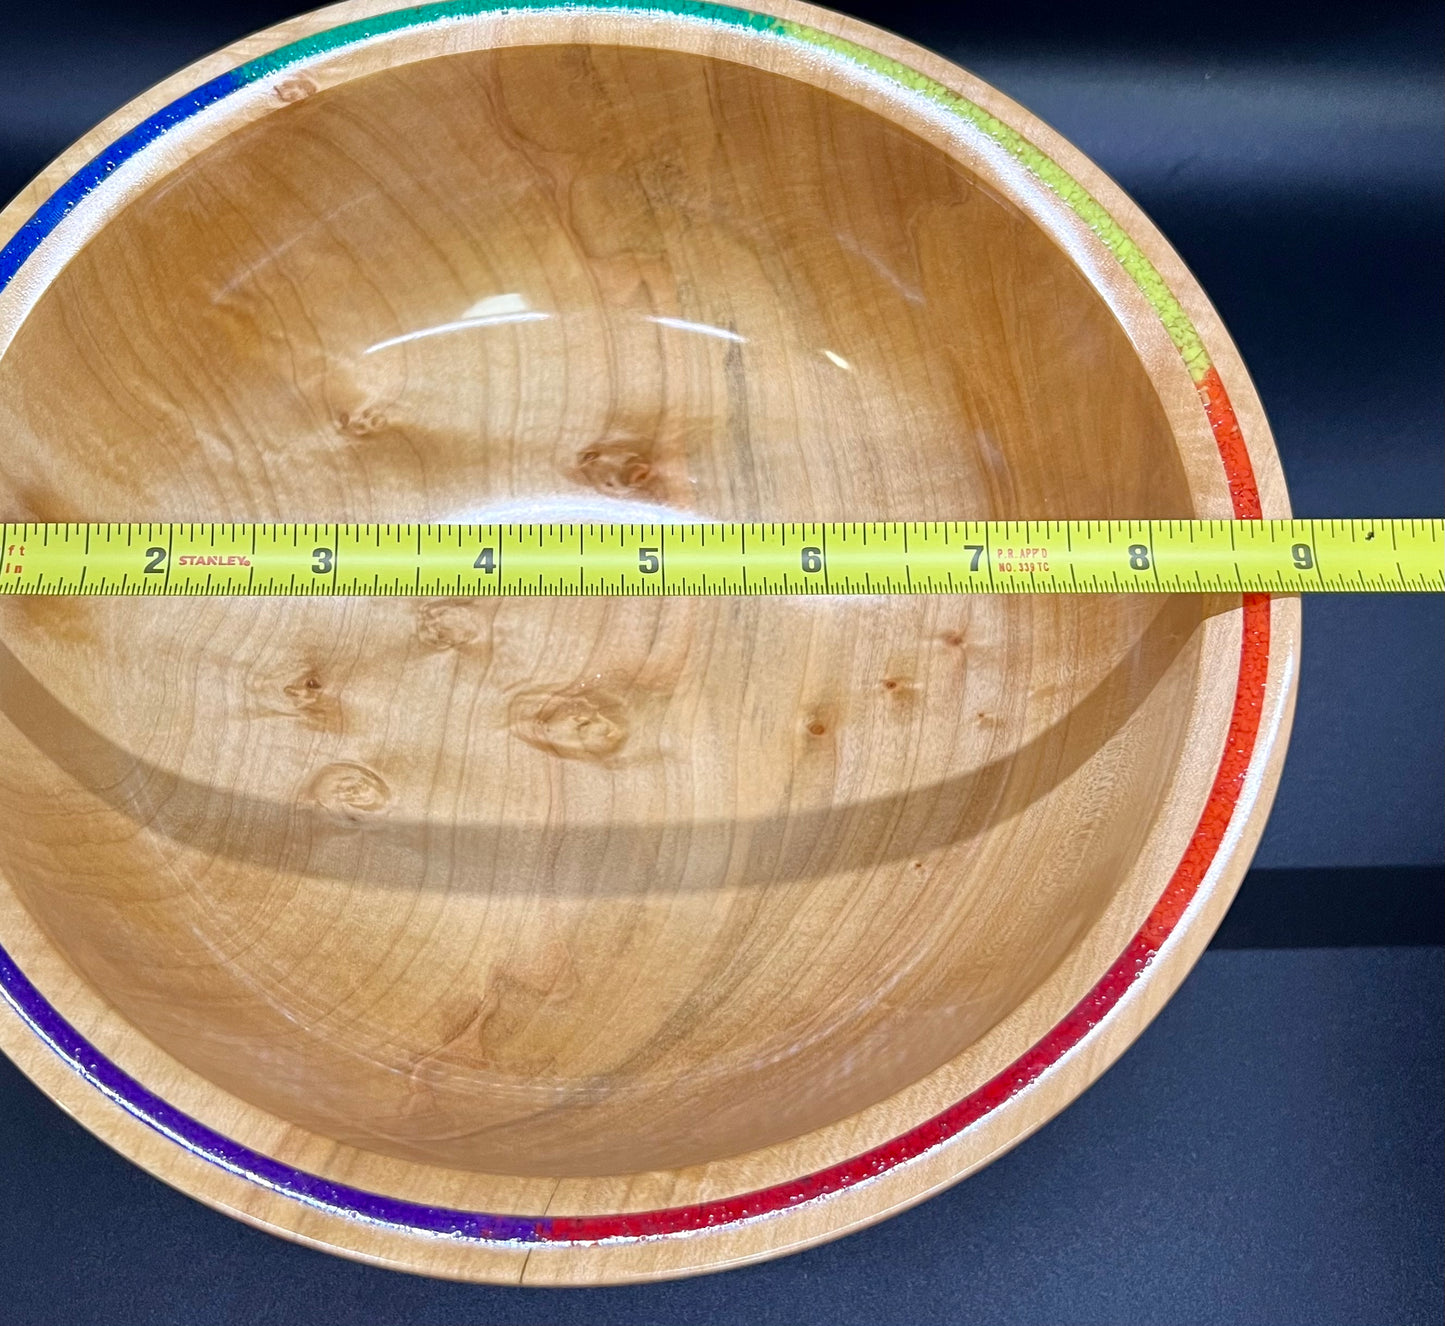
column 1270, row 1151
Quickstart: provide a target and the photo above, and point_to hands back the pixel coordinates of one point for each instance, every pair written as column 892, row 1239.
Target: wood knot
column 903, row 691
column 296, row 88
column 449, row 623
column 818, row 720
column 364, row 422
column 308, row 699
column 575, row 725
column 617, row 468
column 305, row 690
column 953, row 639
column 350, row 792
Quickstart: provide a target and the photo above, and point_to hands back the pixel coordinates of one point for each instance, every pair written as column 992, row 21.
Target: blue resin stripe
column 95, row 172
column 98, row 169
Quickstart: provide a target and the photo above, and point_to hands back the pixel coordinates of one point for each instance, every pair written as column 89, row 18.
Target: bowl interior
column 578, row 887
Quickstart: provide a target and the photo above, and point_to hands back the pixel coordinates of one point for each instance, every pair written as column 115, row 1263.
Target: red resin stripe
column 1239, row 473
column 1093, row 1007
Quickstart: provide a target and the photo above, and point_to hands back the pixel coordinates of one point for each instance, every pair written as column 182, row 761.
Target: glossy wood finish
column 593, row 903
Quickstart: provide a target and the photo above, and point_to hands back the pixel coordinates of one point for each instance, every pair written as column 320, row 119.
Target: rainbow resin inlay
column 504, row 1230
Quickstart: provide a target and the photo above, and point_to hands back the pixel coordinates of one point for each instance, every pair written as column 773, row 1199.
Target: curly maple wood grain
column 461, row 899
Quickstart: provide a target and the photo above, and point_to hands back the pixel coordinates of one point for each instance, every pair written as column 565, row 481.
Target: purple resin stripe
column 336, row 1198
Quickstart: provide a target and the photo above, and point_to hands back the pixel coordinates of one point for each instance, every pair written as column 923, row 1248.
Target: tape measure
column 878, row 557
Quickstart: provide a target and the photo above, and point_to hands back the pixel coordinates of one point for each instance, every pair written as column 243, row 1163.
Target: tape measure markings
column 703, row 559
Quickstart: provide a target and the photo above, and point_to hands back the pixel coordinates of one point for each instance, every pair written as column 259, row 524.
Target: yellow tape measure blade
column 703, row 558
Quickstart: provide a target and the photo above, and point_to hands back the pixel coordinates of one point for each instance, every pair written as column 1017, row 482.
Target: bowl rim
column 41, row 234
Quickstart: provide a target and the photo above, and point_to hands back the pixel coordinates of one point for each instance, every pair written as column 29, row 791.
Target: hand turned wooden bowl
column 576, row 941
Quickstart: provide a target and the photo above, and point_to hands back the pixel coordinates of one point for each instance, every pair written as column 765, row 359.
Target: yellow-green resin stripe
column 1146, row 276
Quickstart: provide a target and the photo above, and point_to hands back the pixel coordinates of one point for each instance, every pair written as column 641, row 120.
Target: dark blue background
column 1270, row 1151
